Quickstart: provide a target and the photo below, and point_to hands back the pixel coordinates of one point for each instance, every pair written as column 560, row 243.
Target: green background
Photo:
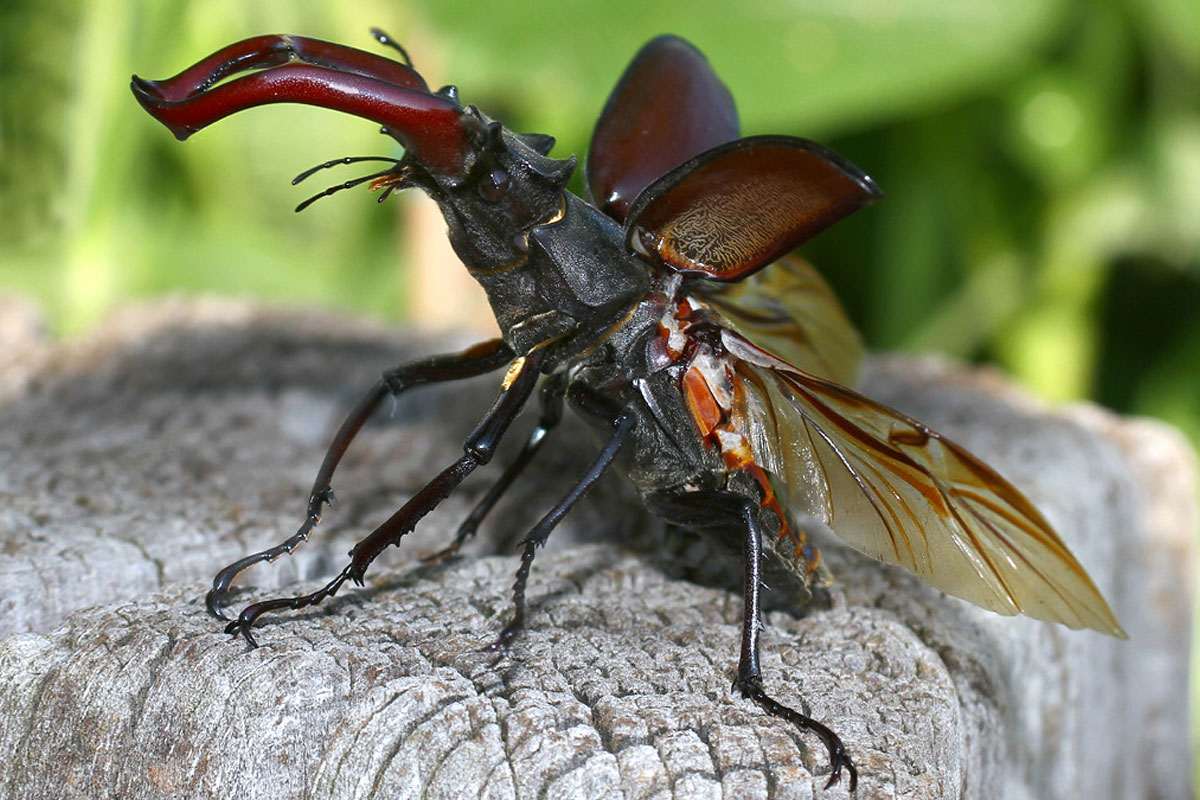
column 1041, row 159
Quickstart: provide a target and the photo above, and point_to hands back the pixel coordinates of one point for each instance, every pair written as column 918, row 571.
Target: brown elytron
column 668, row 313
column 737, row 208
column 668, row 106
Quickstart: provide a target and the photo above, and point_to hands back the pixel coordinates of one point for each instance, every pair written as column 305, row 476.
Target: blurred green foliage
column 1041, row 158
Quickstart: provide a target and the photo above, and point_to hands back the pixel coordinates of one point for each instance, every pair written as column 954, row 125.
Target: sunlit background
column 1041, row 159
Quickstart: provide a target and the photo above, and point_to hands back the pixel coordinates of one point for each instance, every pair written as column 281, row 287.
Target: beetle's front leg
column 479, row 448
column 477, row 360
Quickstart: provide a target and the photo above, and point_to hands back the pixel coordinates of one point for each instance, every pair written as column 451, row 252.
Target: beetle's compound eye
column 494, row 185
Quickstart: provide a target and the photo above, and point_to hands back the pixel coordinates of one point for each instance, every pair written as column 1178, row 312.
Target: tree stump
column 185, row 434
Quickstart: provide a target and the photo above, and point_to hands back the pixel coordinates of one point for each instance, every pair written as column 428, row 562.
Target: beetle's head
column 492, row 185
column 508, row 185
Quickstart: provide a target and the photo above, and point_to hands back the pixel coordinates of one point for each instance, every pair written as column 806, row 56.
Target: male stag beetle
column 668, row 312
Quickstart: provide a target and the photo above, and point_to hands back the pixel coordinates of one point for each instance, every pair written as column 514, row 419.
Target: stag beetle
column 668, row 312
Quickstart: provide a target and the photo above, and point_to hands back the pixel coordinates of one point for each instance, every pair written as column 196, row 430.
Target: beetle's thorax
column 574, row 281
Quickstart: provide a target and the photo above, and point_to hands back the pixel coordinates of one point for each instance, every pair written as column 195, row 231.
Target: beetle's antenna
column 337, row 161
column 338, row 187
column 388, row 41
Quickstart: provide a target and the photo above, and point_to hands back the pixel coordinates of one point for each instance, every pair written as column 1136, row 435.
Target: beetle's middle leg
column 552, row 391
column 722, row 509
column 623, row 422
column 478, row 360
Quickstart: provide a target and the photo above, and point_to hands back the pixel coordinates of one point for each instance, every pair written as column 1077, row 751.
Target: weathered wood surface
column 186, row 433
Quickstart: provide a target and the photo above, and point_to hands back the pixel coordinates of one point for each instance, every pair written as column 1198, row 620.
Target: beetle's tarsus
column 215, row 599
column 500, row 647
column 237, row 627
column 751, row 689
column 212, row 603
column 252, row 612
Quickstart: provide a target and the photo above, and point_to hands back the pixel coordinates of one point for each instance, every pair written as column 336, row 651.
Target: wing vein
column 858, row 480
column 872, row 443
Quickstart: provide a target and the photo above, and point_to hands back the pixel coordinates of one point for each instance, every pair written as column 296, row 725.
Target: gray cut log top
column 185, row 434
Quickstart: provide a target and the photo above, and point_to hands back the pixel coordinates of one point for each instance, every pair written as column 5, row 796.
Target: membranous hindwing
column 904, row 494
column 789, row 310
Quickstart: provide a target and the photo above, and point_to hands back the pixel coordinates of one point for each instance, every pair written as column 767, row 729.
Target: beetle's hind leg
column 477, row 360
column 749, row 674
column 728, row 510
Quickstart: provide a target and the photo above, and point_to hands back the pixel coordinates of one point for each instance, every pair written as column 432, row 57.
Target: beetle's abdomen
column 704, row 378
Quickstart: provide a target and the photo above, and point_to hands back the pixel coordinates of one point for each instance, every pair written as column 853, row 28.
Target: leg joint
column 481, row 451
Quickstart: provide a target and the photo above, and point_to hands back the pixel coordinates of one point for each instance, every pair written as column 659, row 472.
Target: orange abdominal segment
column 700, row 402
column 769, row 500
column 717, row 427
column 713, row 392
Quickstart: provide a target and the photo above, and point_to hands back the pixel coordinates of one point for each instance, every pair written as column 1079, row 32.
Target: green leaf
column 791, row 64
column 1175, row 24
